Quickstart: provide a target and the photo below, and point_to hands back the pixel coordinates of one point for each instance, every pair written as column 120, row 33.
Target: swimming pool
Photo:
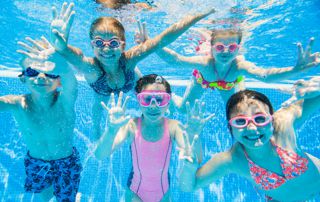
column 272, row 28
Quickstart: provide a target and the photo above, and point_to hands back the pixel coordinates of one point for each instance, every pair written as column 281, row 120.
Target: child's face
column 153, row 112
column 107, row 47
column 225, row 48
column 251, row 135
column 39, row 82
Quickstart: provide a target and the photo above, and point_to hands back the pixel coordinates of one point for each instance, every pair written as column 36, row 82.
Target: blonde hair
column 226, row 33
column 108, row 24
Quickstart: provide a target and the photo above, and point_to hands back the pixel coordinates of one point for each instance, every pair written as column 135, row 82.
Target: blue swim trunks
column 63, row 174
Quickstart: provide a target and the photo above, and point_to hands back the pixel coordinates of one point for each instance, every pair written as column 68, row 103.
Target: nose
column 225, row 49
column 153, row 103
column 41, row 76
column 251, row 126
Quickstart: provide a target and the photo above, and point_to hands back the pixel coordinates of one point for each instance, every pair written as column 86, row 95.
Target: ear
column 59, row 82
column 123, row 46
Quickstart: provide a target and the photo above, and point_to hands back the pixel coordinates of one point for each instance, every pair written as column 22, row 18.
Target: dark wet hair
column 241, row 95
column 150, row 79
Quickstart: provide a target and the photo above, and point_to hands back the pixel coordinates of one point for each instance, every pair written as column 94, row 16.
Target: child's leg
column 166, row 197
column 46, row 195
column 130, row 196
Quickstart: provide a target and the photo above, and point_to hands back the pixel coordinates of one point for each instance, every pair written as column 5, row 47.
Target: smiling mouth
column 41, row 85
column 154, row 114
column 107, row 56
column 253, row 137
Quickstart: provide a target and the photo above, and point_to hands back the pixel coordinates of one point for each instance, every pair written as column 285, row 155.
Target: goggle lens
column 160, row 98
column 243, row 121
column 29, row 72
column 100, row 43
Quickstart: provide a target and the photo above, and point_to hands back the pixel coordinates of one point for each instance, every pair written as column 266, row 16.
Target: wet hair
column 150, row 79
column 109, row 24
column 241, row 95
column 226, row 32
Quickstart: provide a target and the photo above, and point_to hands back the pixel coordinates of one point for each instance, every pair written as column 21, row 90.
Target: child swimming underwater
column 266, row 151
column 46, row 119
column 151, row 137
column 112, row 69
column 224, row 69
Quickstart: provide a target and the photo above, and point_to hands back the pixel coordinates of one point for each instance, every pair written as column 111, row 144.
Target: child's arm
column 9, row 102
column 306, row 60
column 137, row 53
column 117, row 129
column 305, row 99
column 168, row 55
column 195, row 123
column 193, row 91
column 191, row 177
column 60, row 29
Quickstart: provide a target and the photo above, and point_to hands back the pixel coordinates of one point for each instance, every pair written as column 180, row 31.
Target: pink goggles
column 220, row 47
column 243, row 121
column 100, row 43
column 161, row 98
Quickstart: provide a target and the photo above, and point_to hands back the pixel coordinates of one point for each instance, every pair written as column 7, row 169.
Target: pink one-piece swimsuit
column 150, row 162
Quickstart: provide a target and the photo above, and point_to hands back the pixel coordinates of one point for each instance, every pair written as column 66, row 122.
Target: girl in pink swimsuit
column 266, row 151
column 151, row 137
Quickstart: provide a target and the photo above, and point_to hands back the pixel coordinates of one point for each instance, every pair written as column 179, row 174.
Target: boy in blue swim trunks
column 46, row 119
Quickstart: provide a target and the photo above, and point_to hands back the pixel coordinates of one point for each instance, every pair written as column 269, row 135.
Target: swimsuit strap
column 217, row 74
column 139, row 128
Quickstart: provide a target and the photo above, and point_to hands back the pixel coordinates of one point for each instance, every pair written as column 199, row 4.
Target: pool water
column 271, row 30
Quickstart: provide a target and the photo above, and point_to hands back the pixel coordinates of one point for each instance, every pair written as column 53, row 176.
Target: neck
column 152, row 124
column 222, row 65
column 260, row 152
column 112, row 68
column 44, row 100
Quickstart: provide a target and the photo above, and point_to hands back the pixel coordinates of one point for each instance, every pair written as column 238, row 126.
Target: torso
column 231, row 74
column 45, row 138
column 291, row 189
column 105, row 84
column 150, row 159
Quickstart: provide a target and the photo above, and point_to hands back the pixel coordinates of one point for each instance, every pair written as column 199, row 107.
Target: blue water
column 271, row 33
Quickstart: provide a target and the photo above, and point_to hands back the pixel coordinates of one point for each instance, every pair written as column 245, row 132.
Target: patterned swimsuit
column 101, row 85
column 292, row 166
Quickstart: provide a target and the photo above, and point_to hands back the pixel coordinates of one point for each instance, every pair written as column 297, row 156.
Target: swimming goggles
column 243, row 121
column 161, row 98
column 29, row 72
column 220, row 47
column 100, row 43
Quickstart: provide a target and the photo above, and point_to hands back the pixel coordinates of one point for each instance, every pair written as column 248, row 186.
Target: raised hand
column 195, row 118
column 41, row 53
column 304, row 90
column 188, row 152
column 61, row 25
column 306, row 58
column 142, row 35
column 117, row 113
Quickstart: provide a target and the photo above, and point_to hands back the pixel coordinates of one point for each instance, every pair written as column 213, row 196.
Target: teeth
column 253, row 137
